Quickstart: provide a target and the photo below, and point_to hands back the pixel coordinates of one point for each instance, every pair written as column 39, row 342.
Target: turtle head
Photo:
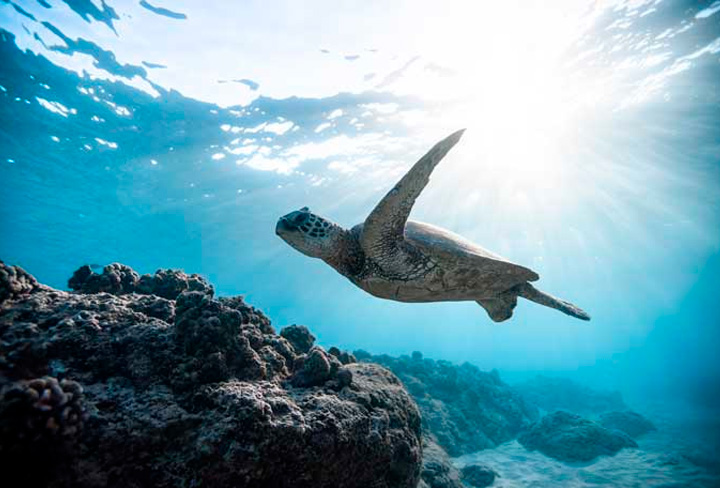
column 310, row 234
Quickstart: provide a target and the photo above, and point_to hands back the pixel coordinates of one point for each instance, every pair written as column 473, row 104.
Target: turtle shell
column 464, row 263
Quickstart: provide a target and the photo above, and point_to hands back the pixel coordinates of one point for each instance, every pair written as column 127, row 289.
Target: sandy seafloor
column 683, row 452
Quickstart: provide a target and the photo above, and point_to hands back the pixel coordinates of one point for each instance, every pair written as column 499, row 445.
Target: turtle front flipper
column 384, row 228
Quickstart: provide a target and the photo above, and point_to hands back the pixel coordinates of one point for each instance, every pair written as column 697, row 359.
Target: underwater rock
column 478, row 475
column 437, row 468
column 569, row 437
column 631, row 423
column 189, row 391
column 315, row 368
column 552, row 394
column 464, row 408
column 299, row 336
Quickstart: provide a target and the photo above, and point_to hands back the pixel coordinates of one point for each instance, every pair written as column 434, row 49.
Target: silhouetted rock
column 188, row 391
column 119, row 279
column 15, row 281
column 568, row 437
column 344, row 356
column 631, row 423
column 299, row 336
column 116, row 278
column 552, row 394
column 478, row 475
column 170, row 283
column 437, row 469
column 464, row 408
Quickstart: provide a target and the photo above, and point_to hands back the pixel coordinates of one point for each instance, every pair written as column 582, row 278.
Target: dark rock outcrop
column 568, row 437
column 437, row 468
column 631, row 423
column 464, row 408
column 478, row 475
column 552, row 394
column 315, row 368
column 15, row 281
column 41, row 410
column 136, row 389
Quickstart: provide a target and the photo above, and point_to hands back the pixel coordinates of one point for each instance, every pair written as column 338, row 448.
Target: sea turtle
column 395, row 258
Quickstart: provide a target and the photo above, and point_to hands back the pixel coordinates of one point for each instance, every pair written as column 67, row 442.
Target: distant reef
column 139, row 381
column 628, row 422
column 466, row 409
column 552, row 394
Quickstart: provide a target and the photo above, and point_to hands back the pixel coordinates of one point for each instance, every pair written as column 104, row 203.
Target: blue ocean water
column 174, row 135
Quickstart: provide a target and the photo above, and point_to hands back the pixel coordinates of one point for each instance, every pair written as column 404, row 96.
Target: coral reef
column 631, row 423
column 465, row 408
column 552, row 394
column 569, row 437
column 150, row 381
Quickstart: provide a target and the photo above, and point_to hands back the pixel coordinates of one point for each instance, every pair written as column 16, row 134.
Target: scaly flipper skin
column 383, row 232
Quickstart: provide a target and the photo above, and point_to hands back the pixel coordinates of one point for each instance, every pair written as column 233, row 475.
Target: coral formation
column 569, row 437
column 41, row 422
column 40, row 409
column 182, row 389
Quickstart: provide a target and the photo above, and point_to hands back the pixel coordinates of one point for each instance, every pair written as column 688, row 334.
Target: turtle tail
column 529, row 292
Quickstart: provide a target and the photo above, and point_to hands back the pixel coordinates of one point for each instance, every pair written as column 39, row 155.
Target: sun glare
column 511, row 89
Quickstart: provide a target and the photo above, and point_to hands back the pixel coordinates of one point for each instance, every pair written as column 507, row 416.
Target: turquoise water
column 175, row 135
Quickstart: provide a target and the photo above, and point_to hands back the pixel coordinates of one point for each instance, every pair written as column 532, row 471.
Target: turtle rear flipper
column 529, row 292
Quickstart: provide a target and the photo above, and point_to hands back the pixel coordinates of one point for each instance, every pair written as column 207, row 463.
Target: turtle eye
column 300, row 218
